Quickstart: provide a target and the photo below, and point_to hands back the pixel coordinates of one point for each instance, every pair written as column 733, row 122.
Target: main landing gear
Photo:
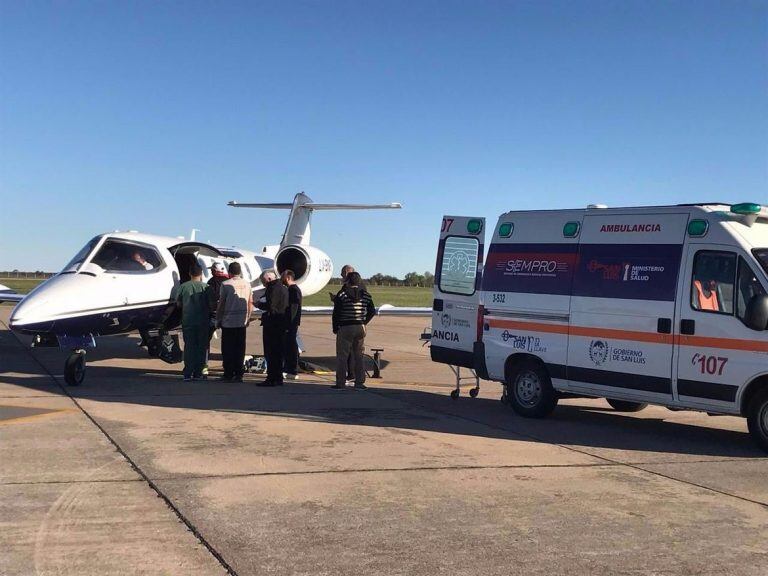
column 74, row 368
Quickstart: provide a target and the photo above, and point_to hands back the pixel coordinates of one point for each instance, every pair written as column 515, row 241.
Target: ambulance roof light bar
column 746, row 208
column 749, row 212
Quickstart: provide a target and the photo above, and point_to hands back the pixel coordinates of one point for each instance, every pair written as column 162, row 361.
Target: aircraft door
column 456, row 306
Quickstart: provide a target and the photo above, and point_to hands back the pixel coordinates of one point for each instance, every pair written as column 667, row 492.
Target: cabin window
column 458, row 268
column 122, row 256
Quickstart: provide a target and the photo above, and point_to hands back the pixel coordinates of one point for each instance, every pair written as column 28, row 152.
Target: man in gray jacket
column 232, row 316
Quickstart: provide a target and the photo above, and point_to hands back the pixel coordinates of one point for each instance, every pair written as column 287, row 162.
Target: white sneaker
column 288, row 376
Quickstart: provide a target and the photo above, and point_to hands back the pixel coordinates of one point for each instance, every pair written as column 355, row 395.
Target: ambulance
column 659, row 305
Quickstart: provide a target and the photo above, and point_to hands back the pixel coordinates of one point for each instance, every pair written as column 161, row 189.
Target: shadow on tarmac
column 572, row 424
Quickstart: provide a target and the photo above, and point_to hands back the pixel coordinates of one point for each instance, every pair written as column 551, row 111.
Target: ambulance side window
column 748, row 287
column 712, row 285
column 458, row 268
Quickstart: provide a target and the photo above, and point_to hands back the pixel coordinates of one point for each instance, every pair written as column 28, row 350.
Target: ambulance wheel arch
column 751, row 391
column 528, row 386
column 757, row 417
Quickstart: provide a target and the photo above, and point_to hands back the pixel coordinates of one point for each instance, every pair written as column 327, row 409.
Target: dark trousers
column 274, row 351
column 291, row 361
column 233, row 351
column 195, row 345
column 349, row 343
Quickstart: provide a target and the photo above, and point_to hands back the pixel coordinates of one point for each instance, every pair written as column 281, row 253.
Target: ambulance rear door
column 456, row 305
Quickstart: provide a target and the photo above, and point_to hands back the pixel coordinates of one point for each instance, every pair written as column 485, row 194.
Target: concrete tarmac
column 137, row 472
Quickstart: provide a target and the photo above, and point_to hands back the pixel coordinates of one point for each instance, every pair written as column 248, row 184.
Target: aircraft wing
column 383, row 310
column 8, row 295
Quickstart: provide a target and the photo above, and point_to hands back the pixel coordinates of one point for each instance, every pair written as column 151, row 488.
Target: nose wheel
column 74, row 368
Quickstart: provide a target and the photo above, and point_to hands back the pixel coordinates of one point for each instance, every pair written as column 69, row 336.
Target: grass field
column 395, row 295
column 21, row 285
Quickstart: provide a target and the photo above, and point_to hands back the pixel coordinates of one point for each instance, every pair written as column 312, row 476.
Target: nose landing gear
column 74, row 368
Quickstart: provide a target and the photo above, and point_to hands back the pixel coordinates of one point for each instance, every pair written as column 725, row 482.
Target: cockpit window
column 762, row 256
column 122, row 256
column 80, row 257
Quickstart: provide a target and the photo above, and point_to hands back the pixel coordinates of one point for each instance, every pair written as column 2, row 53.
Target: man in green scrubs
column 193, row 300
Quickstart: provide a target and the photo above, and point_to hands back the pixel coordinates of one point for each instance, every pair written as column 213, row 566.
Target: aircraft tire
column 757, row 419
column 529, row 390
column 74, row 369
column 626, row 406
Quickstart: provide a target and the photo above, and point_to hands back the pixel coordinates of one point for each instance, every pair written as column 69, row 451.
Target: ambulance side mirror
column 756, row 316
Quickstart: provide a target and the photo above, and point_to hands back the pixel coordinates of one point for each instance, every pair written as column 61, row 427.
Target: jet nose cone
column 29, row 314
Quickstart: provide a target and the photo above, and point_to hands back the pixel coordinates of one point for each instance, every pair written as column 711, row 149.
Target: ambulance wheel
column 454, row 394
column 530, row 391
column 757, row 419
column 74, row 368
column 625, row 406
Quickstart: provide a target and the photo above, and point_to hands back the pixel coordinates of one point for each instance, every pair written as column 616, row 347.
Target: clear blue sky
column 150, row 116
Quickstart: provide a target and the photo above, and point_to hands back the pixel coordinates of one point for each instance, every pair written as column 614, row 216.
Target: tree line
column 427, row 279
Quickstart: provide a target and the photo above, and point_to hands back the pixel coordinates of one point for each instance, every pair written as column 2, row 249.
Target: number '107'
column 710, row 364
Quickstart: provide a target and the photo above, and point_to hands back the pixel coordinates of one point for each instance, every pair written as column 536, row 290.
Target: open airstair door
column 456, row 313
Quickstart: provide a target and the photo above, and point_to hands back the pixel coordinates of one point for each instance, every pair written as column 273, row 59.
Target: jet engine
column 313, row 268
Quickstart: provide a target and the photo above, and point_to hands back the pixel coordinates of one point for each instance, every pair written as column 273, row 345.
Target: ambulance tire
column 529, row 390
column 625, row 406
column 757, row 419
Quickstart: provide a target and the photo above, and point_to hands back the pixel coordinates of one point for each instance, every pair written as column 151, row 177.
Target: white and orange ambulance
column 665, row 305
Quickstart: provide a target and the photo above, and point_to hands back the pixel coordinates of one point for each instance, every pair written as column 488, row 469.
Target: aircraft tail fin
column 298, row 228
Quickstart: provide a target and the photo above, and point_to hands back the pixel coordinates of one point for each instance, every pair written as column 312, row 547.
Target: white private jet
column 123, row 282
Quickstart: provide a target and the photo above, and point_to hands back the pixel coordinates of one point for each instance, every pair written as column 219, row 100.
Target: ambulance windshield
column 762, row 256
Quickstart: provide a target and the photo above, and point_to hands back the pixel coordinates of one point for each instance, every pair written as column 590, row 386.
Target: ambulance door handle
column 664, row 326
column 437, row 305
column 688, row 327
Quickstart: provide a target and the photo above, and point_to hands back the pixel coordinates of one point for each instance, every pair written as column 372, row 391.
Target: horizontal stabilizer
column 314, row 206
column 297, row 230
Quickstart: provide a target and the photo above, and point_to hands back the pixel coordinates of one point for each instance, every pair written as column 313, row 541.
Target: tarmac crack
column 191, row 527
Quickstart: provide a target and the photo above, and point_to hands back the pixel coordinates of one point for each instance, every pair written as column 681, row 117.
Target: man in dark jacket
column 352, row 310
column 218, row 277
column 346, row 270
column 294, row 320
column 274, row 320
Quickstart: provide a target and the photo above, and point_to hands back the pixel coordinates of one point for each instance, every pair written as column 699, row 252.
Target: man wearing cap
column 218, row 277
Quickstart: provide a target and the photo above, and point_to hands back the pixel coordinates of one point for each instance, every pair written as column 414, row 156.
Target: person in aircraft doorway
column 233, row 315
column 192, row 298
column 218, row 277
